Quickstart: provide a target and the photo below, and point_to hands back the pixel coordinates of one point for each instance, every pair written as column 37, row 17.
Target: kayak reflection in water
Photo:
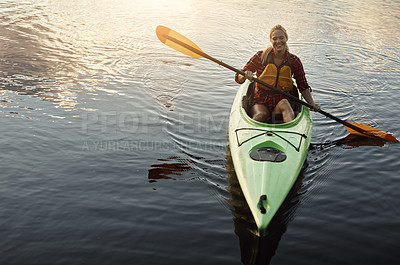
column 275, row 66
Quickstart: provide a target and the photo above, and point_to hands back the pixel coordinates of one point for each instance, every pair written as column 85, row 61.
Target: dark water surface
column 113, row 147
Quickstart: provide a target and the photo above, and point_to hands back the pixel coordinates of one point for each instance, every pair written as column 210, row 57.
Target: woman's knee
column 259, row 113
column 283, row 106
column 260, row 116
column 284, row 103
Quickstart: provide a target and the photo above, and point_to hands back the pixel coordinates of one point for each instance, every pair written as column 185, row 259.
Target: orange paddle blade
column 178, row 42
column 370, row 131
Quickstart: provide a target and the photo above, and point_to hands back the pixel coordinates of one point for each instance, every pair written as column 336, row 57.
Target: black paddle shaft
column 199, row 52
column 326, row 114
column 205, row 55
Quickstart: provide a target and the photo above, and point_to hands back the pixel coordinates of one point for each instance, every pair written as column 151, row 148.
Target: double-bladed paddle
column 182, row 44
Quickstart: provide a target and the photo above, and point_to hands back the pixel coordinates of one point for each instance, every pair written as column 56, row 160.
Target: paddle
column 182, row 44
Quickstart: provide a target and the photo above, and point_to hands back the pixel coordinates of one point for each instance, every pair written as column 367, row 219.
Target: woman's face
column 278, row 40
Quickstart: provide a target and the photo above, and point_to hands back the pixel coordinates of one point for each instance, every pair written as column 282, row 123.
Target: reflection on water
column 166, row 169
column 349, row 142
column 36, row 58
column 256, row 250
column 57, row 50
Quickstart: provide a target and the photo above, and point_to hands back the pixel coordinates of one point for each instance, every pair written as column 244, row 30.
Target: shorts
column 270, row 100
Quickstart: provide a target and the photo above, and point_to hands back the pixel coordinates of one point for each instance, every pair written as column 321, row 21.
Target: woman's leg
column 284, row 107
column 259, row 112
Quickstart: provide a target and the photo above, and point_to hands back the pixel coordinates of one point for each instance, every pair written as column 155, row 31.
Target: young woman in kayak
column 275, row 66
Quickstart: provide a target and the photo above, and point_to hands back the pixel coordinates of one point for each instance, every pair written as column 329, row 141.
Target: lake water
column 114, row 146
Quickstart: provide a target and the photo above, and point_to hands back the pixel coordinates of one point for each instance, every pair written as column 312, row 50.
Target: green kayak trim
column 267, row 157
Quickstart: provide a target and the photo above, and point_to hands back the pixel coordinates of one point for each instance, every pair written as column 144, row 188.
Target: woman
column 276, row 66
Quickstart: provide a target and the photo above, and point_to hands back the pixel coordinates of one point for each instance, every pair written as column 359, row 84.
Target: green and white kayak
column 267, row 157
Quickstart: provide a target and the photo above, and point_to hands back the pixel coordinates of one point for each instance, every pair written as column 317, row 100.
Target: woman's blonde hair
column 268, row 50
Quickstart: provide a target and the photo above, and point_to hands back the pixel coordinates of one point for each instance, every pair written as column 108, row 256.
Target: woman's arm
column 308, row 97
column 250, row 68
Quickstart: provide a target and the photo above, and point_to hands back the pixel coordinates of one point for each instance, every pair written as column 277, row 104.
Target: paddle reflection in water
column 260, row 250
column 349, row 142
column 166, row 169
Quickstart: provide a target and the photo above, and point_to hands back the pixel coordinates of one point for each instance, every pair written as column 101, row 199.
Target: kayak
column 267, row 157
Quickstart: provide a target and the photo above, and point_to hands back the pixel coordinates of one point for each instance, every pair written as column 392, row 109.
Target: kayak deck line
column 270, row 133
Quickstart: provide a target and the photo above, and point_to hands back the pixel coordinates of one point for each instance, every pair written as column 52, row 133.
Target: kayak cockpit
column 275, row 118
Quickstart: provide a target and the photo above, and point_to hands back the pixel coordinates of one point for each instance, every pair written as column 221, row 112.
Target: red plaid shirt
column 272, row 98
